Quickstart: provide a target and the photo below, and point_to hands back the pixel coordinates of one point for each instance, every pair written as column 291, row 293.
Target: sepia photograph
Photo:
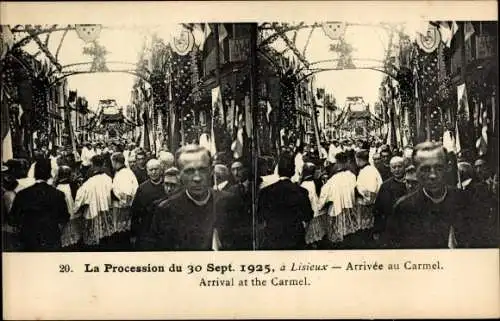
column 249, row 136
column 249, row 159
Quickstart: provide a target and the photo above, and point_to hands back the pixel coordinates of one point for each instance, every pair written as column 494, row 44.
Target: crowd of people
column 346, row 195
column 365, row 195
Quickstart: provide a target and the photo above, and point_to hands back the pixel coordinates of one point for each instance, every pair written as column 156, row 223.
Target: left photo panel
column 128, row 138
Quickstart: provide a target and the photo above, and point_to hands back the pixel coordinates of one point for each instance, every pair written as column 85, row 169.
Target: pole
column 181, row 115
column 254, row 138
column 170, row 106
column 427, row 122
column 217, row 72
column 234, row 125
column 314, row 118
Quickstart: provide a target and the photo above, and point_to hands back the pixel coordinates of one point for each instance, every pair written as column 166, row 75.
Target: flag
column 482, row 142
column 145, row 138
column 222, row 32
column 7, row 152
column 483, row 114
column 391, row 135
column 463, row 102
column 216, row 106
column 21, row 112
column 269, row 110
column 449, row 142
column 198, row 35
column 458, row 147
column 248, row 117
column 468, row 30
column 207, row 30
column 446, row 33
column 454, row 29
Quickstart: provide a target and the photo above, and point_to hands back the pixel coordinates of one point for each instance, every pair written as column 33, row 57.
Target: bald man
column 147, row 194
column 390, row 191
column 166, row 159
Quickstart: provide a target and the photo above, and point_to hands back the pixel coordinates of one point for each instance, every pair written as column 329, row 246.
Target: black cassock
column 39, row 212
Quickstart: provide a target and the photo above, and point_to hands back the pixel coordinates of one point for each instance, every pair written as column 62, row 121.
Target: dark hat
column 43, row 169
column 308, row 170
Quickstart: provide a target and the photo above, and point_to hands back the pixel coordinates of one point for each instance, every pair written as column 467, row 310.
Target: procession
column 249, row 136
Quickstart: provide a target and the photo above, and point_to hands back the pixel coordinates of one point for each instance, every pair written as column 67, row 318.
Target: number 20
column 64, row 268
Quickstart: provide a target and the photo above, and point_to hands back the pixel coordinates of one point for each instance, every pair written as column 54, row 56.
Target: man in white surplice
column 337, row 197
column 93, row 198
column 124, row 188
column 367, row 185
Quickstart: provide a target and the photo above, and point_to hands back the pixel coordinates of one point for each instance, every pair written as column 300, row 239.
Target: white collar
column 199, row 203
column 436, row 200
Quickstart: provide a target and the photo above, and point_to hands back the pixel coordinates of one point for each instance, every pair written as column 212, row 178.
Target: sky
column 124, row 43
column 369, row 42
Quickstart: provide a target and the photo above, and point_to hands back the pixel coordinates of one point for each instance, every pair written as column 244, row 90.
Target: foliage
column 344, row 51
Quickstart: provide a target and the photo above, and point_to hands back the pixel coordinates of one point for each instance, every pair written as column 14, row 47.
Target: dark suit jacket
column 283, row 207
column 238, row 224
column 39, row 212
column 180, row 225
column 418, row 223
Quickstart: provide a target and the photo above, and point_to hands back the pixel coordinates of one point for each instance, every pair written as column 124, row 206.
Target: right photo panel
column 376, row 135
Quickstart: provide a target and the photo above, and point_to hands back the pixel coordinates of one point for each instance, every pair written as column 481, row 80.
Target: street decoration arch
column 38, row 49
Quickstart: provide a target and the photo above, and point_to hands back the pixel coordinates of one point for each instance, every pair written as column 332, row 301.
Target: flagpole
column 217, row 69
column 254, row 138
column 235, row 80
column 314, row 118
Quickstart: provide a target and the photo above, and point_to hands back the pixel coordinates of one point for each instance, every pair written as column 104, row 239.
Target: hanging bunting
column 334, row 30
column 88, row 32
column 182, row 42
column 429, row 41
